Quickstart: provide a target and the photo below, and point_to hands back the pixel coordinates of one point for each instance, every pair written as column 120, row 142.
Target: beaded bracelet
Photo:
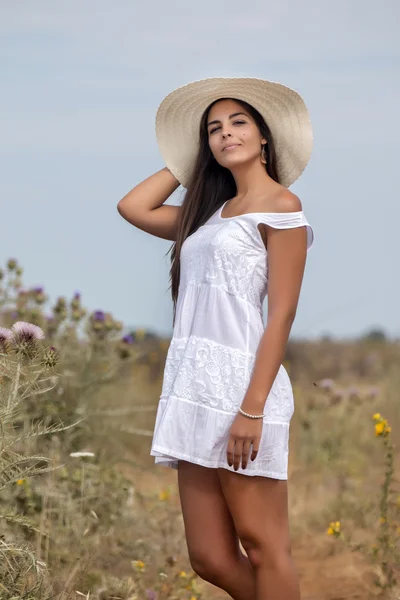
column 250, row 416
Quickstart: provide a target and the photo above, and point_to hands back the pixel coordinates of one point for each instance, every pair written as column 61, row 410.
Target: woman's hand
column 243, row 433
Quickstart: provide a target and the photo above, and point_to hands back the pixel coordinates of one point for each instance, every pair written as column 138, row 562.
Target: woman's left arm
column 287, row 250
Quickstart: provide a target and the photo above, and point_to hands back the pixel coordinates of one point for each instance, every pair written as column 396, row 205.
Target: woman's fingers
column 256, row 443
column 245, row 453
column 230, row 450
column 239, row 451
column 238, row 454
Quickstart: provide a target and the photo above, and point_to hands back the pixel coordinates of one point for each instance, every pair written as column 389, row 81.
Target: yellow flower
column 377, row 417
column 164, row 495
column 382, row 520
column 379, row 427
column 138, row 564
column 20, row 481
column 183, row 574
column 334, row 528
column 193, row 598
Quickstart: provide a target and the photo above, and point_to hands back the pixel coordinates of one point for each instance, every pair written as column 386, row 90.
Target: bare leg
column 259, row 507
column 212, row 541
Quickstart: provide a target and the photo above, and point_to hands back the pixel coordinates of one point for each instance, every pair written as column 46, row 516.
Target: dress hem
column 164, row 458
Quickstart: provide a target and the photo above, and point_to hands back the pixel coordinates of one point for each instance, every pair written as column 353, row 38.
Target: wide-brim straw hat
column 179, row 114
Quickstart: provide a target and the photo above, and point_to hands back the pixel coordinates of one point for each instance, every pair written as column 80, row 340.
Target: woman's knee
column 214, row 569
column 266, row 553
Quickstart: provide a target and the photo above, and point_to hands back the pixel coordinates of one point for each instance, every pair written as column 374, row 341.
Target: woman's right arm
column 143, row 205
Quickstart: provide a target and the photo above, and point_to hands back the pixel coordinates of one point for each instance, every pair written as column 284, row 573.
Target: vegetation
column 84, row 513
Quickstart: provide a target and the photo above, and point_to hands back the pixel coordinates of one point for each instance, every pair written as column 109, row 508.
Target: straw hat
column 179, row 114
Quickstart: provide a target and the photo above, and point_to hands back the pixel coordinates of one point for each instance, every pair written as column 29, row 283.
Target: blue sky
column 81, row 83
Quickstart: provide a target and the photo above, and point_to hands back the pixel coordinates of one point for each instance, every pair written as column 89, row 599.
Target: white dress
column 218, row 326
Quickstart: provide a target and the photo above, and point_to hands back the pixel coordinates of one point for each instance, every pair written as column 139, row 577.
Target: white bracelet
column 250, row 416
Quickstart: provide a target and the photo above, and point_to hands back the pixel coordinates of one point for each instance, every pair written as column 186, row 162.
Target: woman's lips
column 230, row 147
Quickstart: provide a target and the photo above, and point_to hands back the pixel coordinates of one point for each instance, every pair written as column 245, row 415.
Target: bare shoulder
column 286, row 201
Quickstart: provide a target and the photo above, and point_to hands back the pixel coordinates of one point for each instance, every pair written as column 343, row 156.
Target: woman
column 223, row 418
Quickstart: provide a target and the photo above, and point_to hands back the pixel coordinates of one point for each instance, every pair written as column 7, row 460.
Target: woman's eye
column 234, row 122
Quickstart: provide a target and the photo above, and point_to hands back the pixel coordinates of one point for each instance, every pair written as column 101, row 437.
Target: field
column 84, row 513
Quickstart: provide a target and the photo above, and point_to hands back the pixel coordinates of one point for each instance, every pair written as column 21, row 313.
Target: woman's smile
column 230, row 147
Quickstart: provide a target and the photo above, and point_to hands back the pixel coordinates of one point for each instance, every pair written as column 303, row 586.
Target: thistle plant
column 27, row 370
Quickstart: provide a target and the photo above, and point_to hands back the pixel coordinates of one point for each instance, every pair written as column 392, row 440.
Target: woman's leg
column 259, row 507
column 212, row 541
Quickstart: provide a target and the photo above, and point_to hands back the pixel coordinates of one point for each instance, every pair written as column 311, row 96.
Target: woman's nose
column 225, row 134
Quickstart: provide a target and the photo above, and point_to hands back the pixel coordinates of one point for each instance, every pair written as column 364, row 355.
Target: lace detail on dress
column 227, row 258
column 217, row 376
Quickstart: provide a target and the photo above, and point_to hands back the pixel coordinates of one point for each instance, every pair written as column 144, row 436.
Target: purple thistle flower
column 99, row 315
column 326, row 384
column 5, row 337
column 25, row 337
column 128, row 339
column 27, row 331
column 5, row 334
column 77, row 295
column 38, row 290
column 51, row 357
column 151, row 595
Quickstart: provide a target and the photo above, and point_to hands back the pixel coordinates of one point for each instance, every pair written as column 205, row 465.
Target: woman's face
column 233, row 136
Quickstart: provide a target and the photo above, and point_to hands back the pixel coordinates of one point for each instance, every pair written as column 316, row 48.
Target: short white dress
column 218, row 327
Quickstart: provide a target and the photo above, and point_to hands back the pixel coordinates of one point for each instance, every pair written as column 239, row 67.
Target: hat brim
column 179, row 114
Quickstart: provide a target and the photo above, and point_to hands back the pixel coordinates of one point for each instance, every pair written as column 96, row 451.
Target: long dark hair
column 209, row 187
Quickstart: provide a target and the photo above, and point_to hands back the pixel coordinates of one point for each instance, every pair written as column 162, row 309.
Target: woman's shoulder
column 283, row 201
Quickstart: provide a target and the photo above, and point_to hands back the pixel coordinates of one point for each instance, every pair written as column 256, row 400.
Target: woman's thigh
column 259, row 508
column 209, row 527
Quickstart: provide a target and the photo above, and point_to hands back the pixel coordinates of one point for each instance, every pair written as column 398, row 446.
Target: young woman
column 226, row 403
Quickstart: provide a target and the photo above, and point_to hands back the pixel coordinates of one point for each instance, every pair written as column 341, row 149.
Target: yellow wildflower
column 382, row 520
column 138, row 564
column 20, row 481
column 334, row 528
column 379, row 427
column 183, row 574
column 164, row 495
column 377, row 417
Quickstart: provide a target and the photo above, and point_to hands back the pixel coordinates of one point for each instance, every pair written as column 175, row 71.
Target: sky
column 80, row 86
